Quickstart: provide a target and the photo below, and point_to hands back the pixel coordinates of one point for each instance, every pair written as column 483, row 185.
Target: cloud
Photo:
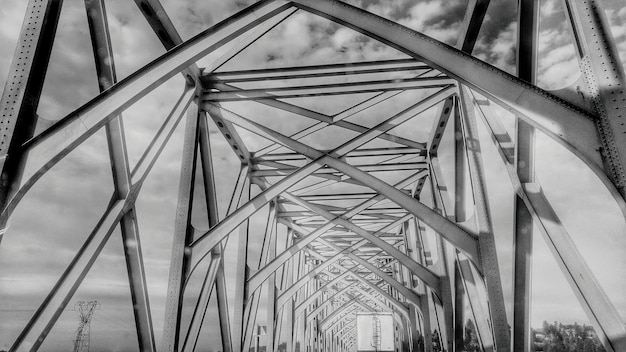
column 501, row 51
column 68, row 202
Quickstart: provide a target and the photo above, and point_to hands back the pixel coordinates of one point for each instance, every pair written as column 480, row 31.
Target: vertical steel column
column 488, row 254
column 271, row 291
column 183, row 234
column 602, row 314
column 210, row 195
column 287, row 309
column 459, row 310
column 241, row 276
column 460, row 213
column 442, row 266
column 20, row 97
column 116, row 141
column 412, row 238
column 425, row 308
column 294, row 269
column 414, row 322
column 479, row 315
column 460, row 160
column 197, row 319
column 604, row 75
column 252, row 304
column 318, row 301
column 528, row 30
column 217, row 259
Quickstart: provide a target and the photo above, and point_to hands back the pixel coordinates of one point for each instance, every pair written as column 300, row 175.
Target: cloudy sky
column 54, row 218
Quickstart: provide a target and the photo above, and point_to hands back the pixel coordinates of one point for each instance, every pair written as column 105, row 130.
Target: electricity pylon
column 85, row 313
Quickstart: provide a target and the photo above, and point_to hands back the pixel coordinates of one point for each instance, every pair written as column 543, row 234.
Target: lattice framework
column 346, row 252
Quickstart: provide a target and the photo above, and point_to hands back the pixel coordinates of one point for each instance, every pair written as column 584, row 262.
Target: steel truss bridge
column 356, row 236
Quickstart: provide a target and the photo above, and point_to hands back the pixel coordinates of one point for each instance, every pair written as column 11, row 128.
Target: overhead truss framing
column 367, row 248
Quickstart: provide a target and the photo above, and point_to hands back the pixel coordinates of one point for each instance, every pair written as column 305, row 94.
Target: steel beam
column 567, row 124
column 301, row 173
column 309, row 300
column 453, row 233
column 20, row 97
column 430, row 278
column 486, row 239
column 241, row 293
column 528, row 35
column 180, row 263
column 351, row 273
column 259, row 276
column 89, row 118
column 271, row 293
column 50, row 309
column 590, row 295
column 473, row 20
column 480, row 316
column 459, row 309
column 116, row 141
column 315, row 71
column 192, row 335
column 329, row 89
column 93, row 115
column 210, row 195
column 336, row 120
column 601, row 312
column 604, row 76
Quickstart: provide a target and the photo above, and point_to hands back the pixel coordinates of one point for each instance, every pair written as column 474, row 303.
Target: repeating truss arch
column 367, row 248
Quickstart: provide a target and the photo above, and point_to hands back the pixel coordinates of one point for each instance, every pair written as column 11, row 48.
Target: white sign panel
column 374, row 332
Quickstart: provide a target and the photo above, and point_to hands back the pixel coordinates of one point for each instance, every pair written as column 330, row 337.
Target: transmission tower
column 85, row 311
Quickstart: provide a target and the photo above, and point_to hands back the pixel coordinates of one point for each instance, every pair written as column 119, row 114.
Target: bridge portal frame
column 465, row 83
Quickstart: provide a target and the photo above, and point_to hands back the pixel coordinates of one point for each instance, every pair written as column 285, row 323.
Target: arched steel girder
column 454, row 234
column 447, row 229
column 328, row 300
column 346, row 329
column 344, row 309
column 350, row 272
column 345, row 253
column 332, row 320
column 570, row 125
column 335, row 316
column 396, row 307
column 338, row 120
column 95, row 115
column 330, row 327
column 326, row 261
column 310, row 299
column 356, row 298
column 429, row 277
column 394, row 302
column 272, row 266
column 102, row 108
column 351, row 324
column 560, row 243
column 406, row 292
column 92, row 116
column 91, row 125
